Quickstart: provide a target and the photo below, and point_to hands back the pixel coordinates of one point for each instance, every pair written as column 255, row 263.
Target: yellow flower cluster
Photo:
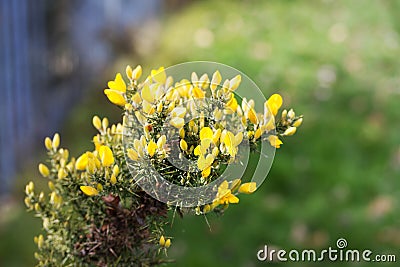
column 204, row 135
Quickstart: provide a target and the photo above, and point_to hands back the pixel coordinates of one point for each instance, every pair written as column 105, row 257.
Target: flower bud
column 56, row 141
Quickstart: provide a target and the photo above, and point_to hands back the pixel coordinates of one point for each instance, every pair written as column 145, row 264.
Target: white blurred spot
column 203, row 37
column 338, row 33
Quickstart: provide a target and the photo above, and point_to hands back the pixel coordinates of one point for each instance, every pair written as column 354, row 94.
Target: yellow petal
column 48, row 144
column 274, row 103
column 128, row 72
column 206, row 172
column 115, row 97
column 159, row 75
column 290, row 131
column 298, row 122
column 206, row 133
column 118, row 84
column 82, row 162
column 44, row 171
column 198, row 93
column 132, row 154
column 147, row 94
column 235, row 82
column 151, row 148
column 232, row 104
column 233, row 199
column 137, row 72
column 274, row 141
column 252, row 116
column 216, row 136
column 113, row 179
column 216, row 80
column 148, row 107
column 56, row 141
column 162, row 241
column 177, row 122
column 258, row 133
column 178, row 112
column 197, row 151
column 106, row 156
column 89, row 191
column 168, row 243
column 183, row 145
column 248, row 188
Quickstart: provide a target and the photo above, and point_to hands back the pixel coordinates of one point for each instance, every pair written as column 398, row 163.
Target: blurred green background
column 335, row 62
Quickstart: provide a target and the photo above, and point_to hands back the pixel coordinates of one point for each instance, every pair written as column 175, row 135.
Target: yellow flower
column 183, row 145
column 48, row 144
column 274, row 141
column 235, row 82
column 232, row 104
column 178, row 112
column 247, row 188
column 290, row 131
column 44, row 171
column 115, row 97
column 177, row 122
column 113, row 179
column 198, row 93
column 205, row 162
column 56, row 141
column 128, row 72
column 206, row 172
column 137, row 72
column 224, row 195
column 106, row 156
column 298, row 122
column 89, row 191
column 132, row 154
column 162, row 241
column 62, row 173
column 118, row 84
column 258, row 133
column 82, row 162
column 167, row 243
column 96, row 122
column 159, row 75
column 274, row 103
column 151, row 148
column 148, row 94
column 252, row 115
column 216, row 80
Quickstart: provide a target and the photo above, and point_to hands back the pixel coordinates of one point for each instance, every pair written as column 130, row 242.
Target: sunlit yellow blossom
column 206, row 172
column 115, row 97
column 151, row 148
column 252, row 115
column 113, row 179
column 183, row 145
column 61, row 173
column 274, row 103
column 274, row 141
column 290, row 131
column 205, row 162
column 235, row 82
column 128, row 72
column 216, row 80
column 137, row 72
column 148, row 107
column 247, row 188
column 96, row 122
column 224, row 195
column 178, row 112
column 44, row 171
column 258, row 133
column 99, row 187
column 298, row 122
column 167, row 243
column 132, row 154
column 118, row 84
column 177, row 122
column 198, row 93
column 56, row 141
column 148, row 94
column 162, row 241
column 89, row 191
column 48, row 144
column 82, row 162
column 106, row 156
column 159, row 75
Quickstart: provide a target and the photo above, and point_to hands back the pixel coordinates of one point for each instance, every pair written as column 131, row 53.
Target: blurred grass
column 337, row 63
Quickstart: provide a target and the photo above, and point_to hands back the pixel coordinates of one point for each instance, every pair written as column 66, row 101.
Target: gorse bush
column 108, row 207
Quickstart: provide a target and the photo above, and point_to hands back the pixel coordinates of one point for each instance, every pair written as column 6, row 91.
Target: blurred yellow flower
column 89, row 191
column 274, row 103
column 44, row 171
column 106, row 156
column 247, row 188
column 274, row 141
